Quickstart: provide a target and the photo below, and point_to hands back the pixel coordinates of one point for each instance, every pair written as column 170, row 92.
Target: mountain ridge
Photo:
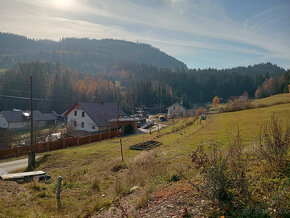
column 83, row 54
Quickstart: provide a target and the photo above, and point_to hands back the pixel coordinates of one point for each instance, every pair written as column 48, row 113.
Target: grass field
column 276, row 99
column 89, row 183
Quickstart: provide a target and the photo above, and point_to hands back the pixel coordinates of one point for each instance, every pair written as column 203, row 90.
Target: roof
column 177, row 104
column 124, row 119
column 21, row 116
column 100, row 113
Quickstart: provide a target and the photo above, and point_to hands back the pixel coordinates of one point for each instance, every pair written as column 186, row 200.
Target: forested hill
column 57, row 87
column 86, row 55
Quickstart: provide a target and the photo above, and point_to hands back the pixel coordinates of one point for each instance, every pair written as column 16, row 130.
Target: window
column 76, row 113
column 83, row 114
column 93, row 127
column 83, row 124
column 75, row 123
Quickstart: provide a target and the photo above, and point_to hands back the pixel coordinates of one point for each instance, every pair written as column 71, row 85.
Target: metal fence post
column 58, row 187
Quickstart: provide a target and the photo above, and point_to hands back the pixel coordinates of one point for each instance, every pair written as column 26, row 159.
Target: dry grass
column 87, row 170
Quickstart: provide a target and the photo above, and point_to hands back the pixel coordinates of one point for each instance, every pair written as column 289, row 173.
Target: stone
column 134, row 188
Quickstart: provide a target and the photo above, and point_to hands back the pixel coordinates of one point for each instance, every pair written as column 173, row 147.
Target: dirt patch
column 177, row 200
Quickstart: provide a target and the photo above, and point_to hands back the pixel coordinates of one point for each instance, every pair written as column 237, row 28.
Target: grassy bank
column 90, row 184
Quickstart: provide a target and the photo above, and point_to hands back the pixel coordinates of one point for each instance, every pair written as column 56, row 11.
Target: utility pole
column 133, row 107
column 31, row 154
column 118, row 106
column 118, row 117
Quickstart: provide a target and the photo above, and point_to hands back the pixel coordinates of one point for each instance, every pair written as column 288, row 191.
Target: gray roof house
column 92, row 117
column 18, row 119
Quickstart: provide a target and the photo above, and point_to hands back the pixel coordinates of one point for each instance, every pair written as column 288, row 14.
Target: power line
column 63, row 97
column 27, row 98
column 13, row 83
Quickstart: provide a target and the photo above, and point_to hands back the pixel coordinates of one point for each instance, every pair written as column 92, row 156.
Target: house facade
column 176, row 110
column 78, row 119
column 92, row 117
column 18, row 119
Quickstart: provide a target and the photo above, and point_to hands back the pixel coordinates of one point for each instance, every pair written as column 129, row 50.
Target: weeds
column 224, row 174
column 95, row 184
column 237, row 188
column 273, row 146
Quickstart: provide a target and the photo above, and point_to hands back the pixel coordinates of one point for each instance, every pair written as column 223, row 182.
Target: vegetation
column 272, row 86
column 93, row 186
column 56, row 87
column 84, row 54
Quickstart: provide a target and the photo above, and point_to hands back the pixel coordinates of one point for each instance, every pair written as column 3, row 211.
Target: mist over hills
column 89, row 55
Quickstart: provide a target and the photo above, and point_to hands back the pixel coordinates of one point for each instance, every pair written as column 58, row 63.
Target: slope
column 91, row 187
column 84, row 54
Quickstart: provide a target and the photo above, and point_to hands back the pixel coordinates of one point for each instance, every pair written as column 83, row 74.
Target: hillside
column 88, row 55
column 162, row 174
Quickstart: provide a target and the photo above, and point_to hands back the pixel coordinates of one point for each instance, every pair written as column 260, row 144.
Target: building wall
column 3, row 122
column 40, row 123
column 176, row 110
column 18, row 125
column 88, row 122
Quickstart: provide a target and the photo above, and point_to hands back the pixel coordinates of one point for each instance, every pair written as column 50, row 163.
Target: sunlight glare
column 62, row 4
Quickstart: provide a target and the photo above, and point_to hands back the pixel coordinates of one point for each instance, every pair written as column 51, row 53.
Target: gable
column 176, row 106
column 100, row 113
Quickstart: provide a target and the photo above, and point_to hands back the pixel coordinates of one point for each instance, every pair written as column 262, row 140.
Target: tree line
column 57, row 87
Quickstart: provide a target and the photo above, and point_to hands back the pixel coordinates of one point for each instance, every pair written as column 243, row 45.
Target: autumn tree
column 215, row 101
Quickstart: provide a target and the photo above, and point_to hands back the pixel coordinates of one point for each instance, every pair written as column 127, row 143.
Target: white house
column 18, row 119
column 176, row 110
column 91, row 117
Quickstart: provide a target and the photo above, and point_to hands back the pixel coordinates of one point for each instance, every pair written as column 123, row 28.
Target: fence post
column 17, row 152
column 58, row 187
column 47, row 146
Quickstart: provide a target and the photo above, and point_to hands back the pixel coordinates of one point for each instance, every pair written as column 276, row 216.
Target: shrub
column 224, row 175
column 237, row 105
column 273, row 146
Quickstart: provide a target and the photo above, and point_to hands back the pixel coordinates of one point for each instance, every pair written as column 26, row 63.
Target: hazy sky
column 201, row 33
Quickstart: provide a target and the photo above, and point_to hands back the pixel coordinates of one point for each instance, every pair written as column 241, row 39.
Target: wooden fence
column 59, row 144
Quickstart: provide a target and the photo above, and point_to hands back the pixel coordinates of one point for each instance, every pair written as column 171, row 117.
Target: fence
column 59, row 144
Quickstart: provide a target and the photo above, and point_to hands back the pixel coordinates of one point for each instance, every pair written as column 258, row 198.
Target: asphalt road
column 11, row 166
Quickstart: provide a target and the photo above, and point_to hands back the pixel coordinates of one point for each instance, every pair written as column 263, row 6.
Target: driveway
column 155, row 128
column 11, row 166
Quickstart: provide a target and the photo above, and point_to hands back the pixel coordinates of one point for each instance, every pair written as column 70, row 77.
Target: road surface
column 155, row 128
column 11, row 166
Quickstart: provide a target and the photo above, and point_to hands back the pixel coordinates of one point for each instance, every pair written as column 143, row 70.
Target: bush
column 274, row 145
column 224, row 175
column 237, row 105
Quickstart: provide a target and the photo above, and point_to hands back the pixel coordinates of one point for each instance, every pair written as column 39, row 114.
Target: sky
column 200, row 33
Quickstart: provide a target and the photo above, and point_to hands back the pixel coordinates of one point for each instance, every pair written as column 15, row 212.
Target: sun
column 62, row 4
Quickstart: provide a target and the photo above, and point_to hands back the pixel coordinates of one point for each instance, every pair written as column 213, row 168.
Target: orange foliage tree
column 215, row 101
